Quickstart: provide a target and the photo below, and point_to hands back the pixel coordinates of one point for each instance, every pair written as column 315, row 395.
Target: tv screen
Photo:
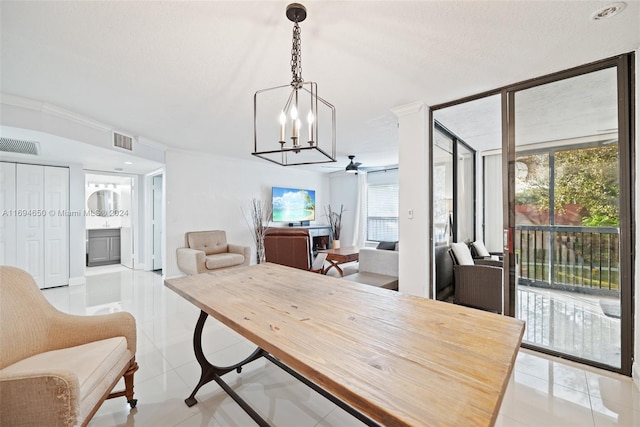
column 293, row 204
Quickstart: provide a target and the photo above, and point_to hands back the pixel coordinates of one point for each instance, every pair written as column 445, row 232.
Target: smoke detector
column 608, row 11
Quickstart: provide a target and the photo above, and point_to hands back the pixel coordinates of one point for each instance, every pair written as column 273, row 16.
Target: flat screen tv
column 293, row 204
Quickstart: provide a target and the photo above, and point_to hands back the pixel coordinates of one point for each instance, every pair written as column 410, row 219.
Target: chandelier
column 291, row 120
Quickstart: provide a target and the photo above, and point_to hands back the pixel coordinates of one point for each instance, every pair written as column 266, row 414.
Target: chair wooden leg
column 128, row 385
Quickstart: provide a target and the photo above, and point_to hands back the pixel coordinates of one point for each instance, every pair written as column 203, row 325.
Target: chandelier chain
column 296, row 57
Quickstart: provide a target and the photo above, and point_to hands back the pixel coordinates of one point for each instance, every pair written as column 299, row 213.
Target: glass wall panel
column 567, row 216
column 442, row 188
column 465, row 206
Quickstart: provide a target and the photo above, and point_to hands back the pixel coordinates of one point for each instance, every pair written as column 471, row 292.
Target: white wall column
column 415, row 218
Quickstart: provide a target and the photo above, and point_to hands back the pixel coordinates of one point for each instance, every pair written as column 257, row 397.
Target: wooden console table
column 386, row 357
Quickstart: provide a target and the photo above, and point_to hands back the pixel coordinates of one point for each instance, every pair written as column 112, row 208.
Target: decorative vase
column 335, row 244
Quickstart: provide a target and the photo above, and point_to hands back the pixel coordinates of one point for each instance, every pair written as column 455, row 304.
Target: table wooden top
column 400, row 359
column 349, row 250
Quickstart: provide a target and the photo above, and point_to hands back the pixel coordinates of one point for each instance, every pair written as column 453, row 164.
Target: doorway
column 569, row 214
column 560, row 188
column 109, row 219
column 157, row 195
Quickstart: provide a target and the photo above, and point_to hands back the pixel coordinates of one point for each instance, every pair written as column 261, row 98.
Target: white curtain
column 360, row 221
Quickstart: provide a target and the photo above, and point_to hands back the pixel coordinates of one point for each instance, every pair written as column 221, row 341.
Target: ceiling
column 184, row 73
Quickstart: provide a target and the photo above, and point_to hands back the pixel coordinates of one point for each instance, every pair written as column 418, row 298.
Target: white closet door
column 56, row 226
column 30, row 222
column 7, row 213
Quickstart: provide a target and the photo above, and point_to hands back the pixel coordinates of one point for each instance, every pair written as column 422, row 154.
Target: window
column 382, row 212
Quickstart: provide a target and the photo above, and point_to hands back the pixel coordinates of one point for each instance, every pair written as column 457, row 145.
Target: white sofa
column 378, row 267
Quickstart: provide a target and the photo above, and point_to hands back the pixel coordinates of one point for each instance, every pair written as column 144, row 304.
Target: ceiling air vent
column 122, row 141
column 20, row 146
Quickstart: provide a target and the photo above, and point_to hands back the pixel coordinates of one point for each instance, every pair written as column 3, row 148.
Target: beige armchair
column 209, row 250
column 56, row 369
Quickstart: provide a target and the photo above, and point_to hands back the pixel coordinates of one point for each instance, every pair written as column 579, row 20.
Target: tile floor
column 543, row 391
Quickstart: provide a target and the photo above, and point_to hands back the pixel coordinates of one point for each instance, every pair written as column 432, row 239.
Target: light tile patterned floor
column 543, row 391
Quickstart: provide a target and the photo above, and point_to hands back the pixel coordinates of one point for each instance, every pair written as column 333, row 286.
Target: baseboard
column 76, row 281
column 175, row 276
column 141, row 266
column 636, row 374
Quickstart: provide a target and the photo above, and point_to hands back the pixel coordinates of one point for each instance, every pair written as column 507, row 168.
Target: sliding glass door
column 568, row 157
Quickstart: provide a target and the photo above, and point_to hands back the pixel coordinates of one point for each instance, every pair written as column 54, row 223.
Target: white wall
column 344, row 191
column 207, row 192
column 415, row 218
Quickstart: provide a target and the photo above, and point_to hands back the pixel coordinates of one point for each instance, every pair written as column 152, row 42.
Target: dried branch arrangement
column 258, row 221
column 335, row 220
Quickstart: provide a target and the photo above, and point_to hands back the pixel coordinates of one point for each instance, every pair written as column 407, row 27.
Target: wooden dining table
column 388, row 358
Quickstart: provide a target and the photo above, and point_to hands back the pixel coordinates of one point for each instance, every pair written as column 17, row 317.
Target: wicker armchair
column 478, row 283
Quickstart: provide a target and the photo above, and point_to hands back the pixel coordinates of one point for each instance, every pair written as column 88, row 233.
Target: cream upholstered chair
column 56, row 369
column 209, row 250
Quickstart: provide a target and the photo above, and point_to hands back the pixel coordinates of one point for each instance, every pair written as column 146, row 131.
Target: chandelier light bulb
column 295, row 131
column 310, row 120
column 283, row 121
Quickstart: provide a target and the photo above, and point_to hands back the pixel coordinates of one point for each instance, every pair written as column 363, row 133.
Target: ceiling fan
column 352, row 167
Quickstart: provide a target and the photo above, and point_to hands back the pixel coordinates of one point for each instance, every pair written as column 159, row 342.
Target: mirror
column 103, row 202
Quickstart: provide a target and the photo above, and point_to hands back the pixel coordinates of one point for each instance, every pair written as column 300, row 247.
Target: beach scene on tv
column 293, row 204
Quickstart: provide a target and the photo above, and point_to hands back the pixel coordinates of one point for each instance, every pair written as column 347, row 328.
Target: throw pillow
column 481, row 249
column 462, row 253
column 389, row 246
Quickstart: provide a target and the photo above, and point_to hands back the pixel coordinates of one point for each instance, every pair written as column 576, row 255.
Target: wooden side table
column 340, row 256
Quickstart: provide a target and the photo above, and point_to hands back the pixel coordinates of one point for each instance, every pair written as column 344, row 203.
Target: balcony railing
column 583, row 259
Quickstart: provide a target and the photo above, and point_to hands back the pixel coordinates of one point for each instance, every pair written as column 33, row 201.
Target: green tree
column 585, row 177
column 589, row 177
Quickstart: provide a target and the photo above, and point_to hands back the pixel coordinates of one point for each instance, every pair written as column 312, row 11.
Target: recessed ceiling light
column 608, row 11
column 128, row 163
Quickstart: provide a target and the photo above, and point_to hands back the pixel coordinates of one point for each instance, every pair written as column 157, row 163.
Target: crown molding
column 19, row 101
column 151, row 143
column 406, row 109
column 54, row 110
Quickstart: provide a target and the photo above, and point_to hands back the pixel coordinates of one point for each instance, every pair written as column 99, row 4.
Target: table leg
column 335, row 265
column 214, row 373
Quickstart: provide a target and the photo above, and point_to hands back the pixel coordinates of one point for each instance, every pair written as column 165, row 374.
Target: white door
column 7, row 213
column 126, row 230
column 56, row 226
column 30, row 221
column 157, row 222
